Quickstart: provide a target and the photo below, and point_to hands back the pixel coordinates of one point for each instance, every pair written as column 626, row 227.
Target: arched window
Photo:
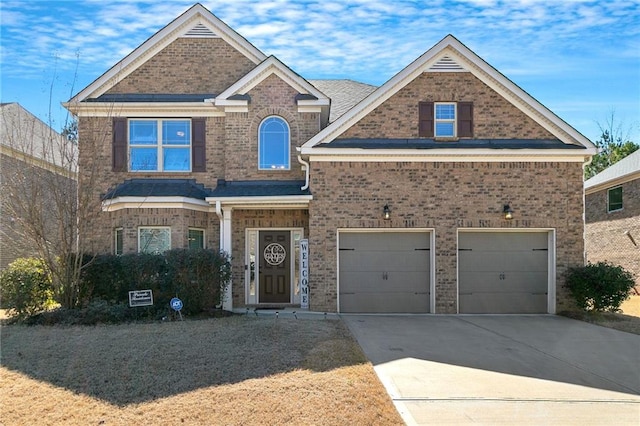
column 273, row 144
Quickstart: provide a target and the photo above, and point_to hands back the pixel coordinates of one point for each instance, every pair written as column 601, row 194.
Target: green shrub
column 195, row 276
column 26, row 286
column 599, row 287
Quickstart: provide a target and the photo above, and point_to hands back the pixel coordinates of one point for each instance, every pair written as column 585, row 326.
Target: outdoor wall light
column 508, row 213
column 386, row 213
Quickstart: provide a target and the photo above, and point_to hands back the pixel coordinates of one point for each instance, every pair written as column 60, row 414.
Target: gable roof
column 623, row 171
column 234, row 95
column 450, row 55
column 195, row 22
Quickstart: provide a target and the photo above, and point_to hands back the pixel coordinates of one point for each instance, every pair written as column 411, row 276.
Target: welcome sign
column 304, row 274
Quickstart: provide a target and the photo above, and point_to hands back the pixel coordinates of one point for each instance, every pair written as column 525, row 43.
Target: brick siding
column 188, row 65
column 493, row 116
column 605, row 238
column 445, row 197
column 45, row 186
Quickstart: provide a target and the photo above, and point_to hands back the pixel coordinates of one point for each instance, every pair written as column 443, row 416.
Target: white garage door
column 503, row 272
column 384, row 272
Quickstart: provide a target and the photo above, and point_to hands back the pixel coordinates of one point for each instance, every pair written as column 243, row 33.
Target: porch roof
column 259, row 188
column 188, row 188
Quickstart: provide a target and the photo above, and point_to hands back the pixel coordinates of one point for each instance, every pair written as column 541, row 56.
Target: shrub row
column 194, row 276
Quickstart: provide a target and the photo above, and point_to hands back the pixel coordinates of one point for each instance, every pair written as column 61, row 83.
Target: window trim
column 436, row 120
column 204, row 236
column 287, row 145
column 609, row 210
column 140, row 228
column 116, row 231
column 159, row 146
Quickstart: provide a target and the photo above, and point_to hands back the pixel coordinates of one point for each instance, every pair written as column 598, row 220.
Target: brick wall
column 493, row 116
column 445, row 197
column 97, row 177
column 232, row 154
column 188, row 65
column 23, row 187
column 605, row 238
column 271, row 97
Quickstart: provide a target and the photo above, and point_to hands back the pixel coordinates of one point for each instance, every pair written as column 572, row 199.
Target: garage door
column 503, row 272
column 384, row 272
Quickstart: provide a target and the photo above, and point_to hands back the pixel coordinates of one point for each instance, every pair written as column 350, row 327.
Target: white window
column 118, row 246
column 154, row 240
column 196, row 238
column 273, row 144
column 614, row 199
column 160, row 145
column 445, row 120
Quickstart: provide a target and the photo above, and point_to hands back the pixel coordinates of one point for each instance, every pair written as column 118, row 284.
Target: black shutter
column 198, row 145
column 425, row 119
column 119, row 147
column 465, row 119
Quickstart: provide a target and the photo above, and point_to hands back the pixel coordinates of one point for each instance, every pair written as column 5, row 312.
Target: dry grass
column 231, row 371
column 628, row 320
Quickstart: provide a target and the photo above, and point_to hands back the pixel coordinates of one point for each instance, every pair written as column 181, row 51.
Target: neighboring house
column 612, row 215
column 33, row 158
column 198, row 139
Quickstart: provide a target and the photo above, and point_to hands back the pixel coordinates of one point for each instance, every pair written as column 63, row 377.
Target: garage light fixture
column 508, row 213
column 386, row 213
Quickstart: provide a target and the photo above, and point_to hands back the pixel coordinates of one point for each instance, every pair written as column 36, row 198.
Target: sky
column 579, row 58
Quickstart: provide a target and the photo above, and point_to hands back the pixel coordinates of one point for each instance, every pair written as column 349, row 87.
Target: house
column 36, row 163
column 612, row 215
column 446, row 190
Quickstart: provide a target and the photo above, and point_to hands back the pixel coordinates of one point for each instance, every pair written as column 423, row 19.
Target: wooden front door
column 274, row 266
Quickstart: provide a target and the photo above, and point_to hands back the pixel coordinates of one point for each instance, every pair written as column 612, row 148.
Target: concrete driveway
column 503, row 369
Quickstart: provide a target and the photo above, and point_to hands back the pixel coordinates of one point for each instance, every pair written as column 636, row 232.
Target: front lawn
column 239, row 370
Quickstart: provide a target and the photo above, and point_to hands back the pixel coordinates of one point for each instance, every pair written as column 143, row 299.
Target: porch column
column 225, row 245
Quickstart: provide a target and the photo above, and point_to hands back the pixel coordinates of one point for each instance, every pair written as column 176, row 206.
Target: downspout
column 219, row 214
column 305, row 167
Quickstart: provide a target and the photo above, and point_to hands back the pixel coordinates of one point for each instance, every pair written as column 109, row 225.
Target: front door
column 274, row 266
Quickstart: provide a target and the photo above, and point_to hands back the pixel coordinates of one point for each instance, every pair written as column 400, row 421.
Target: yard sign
column 140, row 298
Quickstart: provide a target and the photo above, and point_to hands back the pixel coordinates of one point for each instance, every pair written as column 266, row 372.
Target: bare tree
column 613, row 145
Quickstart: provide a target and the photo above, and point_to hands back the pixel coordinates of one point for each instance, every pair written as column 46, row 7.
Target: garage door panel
column 371, row 282
column 503, row 272
column 368, row 260
column 384, row 302
column 385, row 272
column 531, row 282
column 503, row 303
column 504, row 241
column 384, row 241
column 501, row 261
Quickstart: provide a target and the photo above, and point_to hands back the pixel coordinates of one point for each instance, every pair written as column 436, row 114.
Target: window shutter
column 198, row 145
column 465, row 119
column 425, row 119
column 119, row 148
